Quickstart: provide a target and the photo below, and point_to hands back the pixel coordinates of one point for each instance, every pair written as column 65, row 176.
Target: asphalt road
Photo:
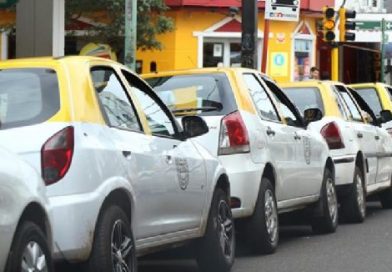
column 363, row 247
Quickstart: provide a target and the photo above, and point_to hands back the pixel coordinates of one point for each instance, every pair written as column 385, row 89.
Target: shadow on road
column 182, row 259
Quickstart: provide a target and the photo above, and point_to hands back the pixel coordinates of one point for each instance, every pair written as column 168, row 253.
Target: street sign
column 373, row 25
column 282, row 10
column 7, row 3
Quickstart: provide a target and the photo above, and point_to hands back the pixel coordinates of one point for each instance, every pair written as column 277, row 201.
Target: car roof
column 200, row 71
column 52, row 60
column 368, row 85
column 310, row 83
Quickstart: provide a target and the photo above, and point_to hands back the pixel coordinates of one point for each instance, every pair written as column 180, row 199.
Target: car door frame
column 311, row 165
column 190, row 158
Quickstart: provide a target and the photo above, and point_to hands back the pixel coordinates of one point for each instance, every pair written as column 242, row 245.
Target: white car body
column 165, row 184
column 364, row 144
column 296, row 157
column 22, row 197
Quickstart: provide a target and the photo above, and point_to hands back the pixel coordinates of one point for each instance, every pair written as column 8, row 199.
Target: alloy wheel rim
column 33, row 258
column 122, row 247
column 360, row 195
column 332, row 200
column 271, row 215
column 226, row 230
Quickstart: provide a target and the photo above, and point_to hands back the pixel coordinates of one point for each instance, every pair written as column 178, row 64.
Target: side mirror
column 312, row 115
column 386, row 116
column 194, row 126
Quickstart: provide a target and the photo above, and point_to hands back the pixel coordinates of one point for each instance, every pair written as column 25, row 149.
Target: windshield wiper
column 203, row 109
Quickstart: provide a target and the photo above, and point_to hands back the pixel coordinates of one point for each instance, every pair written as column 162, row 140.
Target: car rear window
column 205, row 95
column 371, row 98
column 27, row 96
column 305, row 98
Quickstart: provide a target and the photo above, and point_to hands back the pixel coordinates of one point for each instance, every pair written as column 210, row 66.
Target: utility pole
column 130, row 34
column 249, row 34
column 383, row 50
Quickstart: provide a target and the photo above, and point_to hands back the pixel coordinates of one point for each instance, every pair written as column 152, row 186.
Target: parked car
column 361, row 151
column 274, row 164
column 122, row 177
column 25, row 229
column 379, row 98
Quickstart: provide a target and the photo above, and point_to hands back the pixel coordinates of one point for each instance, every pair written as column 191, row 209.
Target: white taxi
column 122, row 177
column 274, row 164
column 361, row 151
column 25, row 229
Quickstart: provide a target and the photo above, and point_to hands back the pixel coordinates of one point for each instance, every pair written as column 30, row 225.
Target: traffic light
column 329, row 24
column 345, row 25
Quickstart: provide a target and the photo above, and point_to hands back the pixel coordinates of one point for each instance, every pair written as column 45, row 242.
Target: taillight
column 56, row 155
column 233, row 136
column 332, row 136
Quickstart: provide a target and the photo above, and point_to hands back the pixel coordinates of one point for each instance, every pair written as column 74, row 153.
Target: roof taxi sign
column 282, row 10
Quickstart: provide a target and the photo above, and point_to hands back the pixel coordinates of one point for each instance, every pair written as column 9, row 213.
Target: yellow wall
column 181, row 46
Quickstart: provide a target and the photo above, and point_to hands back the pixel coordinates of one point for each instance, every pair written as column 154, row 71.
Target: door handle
column 359, row 135
column 377, row 137
column 270, row 132
column 297, row 137
column 127, row 154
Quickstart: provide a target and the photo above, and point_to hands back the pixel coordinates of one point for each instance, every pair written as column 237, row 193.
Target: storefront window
column 303, row 58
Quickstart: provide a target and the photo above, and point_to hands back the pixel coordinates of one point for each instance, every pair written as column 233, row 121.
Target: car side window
column 158, row 120
column 116, row 106
column 261, row 99
column 292, row 119
column 341, row 106
column 352, row 107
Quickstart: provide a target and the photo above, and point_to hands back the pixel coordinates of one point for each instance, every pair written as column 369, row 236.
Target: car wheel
column 386, row 198
column 216, row 250
column 29, row 250
column 263, row 227
column 327, row 220
column 114, row 246
column 354, row 205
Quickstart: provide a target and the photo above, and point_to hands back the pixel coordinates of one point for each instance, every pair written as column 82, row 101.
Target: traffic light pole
column 249, row 34
column 335, row 63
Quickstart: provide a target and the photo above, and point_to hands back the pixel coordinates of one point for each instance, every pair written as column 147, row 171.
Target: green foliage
column 151, row 21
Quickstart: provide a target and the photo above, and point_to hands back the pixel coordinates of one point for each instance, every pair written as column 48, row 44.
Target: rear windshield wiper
column 203, row 109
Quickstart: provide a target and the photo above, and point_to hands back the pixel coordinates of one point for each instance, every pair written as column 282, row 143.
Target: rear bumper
column 244, row 176
column 73, row 222
column 344, row 170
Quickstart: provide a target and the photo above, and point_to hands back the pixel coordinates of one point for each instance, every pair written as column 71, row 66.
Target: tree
column 108, row 17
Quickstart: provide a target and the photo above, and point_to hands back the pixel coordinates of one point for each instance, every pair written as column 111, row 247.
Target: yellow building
column 208, row 36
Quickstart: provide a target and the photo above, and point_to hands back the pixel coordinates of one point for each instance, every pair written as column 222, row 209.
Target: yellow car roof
column 197, row 71
column 329, row 103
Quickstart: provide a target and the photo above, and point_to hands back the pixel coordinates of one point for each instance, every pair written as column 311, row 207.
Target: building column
column 40, row 28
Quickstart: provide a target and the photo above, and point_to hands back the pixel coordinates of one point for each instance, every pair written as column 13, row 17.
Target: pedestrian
column 314, row 73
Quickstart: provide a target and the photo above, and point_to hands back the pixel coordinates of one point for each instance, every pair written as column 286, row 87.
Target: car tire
column 114, row 245
column 386, row 198
column 354, row 204
column 262, row 229
column 216, row 250
column 326, row 218
column 29, row 250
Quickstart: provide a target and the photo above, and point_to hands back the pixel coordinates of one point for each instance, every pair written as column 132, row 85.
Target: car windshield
column 205, row 95
column 371, row 98
column 27, row 96
column 305, row 98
